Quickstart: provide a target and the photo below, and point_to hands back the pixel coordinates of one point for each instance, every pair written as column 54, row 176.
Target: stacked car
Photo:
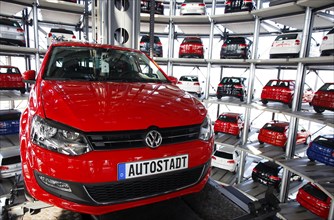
column 232, row 86
column 327, row 45
column 11, row 33
column 226, row 158
column 235, row 47
column 191, row 47
column 190, row 84
column 315, row 200
column 322, row 149
column 324, row 98
column 145, row 45
column 193, row 7
column 276, row 133
column 283, row 91
column 11, row 79
column 229, row 123
column 239, row 5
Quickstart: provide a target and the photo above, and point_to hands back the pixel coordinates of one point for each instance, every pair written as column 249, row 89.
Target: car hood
column 110, row 106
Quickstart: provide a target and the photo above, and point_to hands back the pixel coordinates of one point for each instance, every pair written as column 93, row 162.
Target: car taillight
column 231, row 161
column 228, row 3
column 224, row 45
column 213, row 157
column 179, row 82
column 297, row 42
column 238, row 86
column 248, row 1
column 142, row 43
column 325, row 38
column 183, row 5
column 322, row 205
column 243, row 45
column 255, row 170
column 220, row 85
column 3, row 168
column 275, row 178
column 73, row 37
column 201, row 4
column 50, row 35
column 196, row 84
column 159, row 43
column 182, row 46
column 20, row 30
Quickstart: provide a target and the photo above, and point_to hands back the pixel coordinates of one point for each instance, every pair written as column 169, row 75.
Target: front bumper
column 92, row 177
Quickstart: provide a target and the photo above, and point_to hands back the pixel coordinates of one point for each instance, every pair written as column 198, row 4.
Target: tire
column 318, row 110
column 216, row 132
column 199, row 95
column 242, row 98
column 290, row 105
column 219, row 97
column 308, row 140
column 22, row 91
column 264, row 101
column 261, row 142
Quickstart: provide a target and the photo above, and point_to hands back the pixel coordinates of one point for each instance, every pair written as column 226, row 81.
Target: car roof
column 279, row 123
column 226, row 149
column 328, row 136
column 269, row 164
column 94, row 45
column 283, row 80
column 7, row 66
column 230, row 114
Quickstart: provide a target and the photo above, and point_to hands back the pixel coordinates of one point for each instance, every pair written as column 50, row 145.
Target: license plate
column 151, row 167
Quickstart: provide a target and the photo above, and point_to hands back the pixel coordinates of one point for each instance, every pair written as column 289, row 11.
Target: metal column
column 212, row 26
column 172, row 9
column 331, row 211
column 86, row 21
column 123, row 23
column 36, row 38
column 151, row 30
column 249, row 96
column 296, row 104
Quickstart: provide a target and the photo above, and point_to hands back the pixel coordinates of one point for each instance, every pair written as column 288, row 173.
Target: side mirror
column 173, row 79
column 29, row 76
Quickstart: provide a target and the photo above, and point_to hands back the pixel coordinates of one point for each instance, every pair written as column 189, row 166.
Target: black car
column 239, row 5
column 145, row 45
column 270, row 174
column 145, row 7
column 232, row 86
column 235, row 47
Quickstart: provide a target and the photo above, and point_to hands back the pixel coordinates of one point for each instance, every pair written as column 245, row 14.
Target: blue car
column 322, row 149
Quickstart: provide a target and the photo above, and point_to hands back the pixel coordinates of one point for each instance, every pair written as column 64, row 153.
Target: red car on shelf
column 95, row 138
column 11, row 79
column 276, row 133
column 191, row 47
column 315, row 200
column 324, row 98
column 282, row 91
column 229, row 123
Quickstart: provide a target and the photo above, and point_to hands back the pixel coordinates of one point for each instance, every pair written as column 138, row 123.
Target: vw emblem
column 153, row 139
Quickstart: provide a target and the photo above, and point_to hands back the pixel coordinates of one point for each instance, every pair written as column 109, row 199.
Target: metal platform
column 318, row 173
column 294, row 211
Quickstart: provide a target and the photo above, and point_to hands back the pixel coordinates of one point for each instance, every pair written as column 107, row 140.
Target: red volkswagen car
column 106, row 129
column 276, row 133
column 230, row 123
column 11, row 79
column 282, row 91
column 324, row 98
column 315, row 200
column 191, row 47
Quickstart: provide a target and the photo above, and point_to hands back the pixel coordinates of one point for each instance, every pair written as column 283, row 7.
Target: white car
column 193, row 7
column 226, row 158
column 58, row 35
column 289, row 45
column 190, row 84
column 327, row 45
column 10, row 161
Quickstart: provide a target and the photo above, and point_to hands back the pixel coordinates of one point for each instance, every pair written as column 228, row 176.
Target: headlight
column 206, row 129
column 58, row 139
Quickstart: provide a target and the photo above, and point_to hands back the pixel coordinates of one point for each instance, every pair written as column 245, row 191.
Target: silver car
column 193, row 7
column 11, row 33
column 10, row 161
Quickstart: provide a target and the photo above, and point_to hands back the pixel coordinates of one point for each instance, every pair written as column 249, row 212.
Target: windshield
column 101, row 64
